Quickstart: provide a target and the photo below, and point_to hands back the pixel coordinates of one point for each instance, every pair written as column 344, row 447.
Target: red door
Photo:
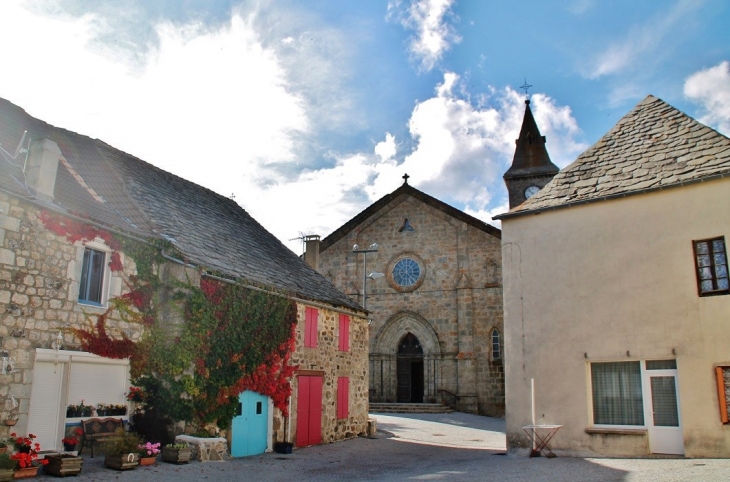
column 309, row 411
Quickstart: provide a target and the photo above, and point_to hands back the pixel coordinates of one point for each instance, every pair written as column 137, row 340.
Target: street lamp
column 372, row 249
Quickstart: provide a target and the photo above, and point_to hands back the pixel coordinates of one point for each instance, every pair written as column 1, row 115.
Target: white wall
column 593, row 282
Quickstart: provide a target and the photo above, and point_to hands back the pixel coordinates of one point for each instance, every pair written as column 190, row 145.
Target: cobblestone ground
column 451, row 447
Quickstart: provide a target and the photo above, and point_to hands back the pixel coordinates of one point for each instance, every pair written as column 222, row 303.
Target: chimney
column 42, row 165
column 311, row 250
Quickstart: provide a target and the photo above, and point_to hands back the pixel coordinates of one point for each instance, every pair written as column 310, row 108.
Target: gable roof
column 408, row 190
column 653, row 147
column 124, row 193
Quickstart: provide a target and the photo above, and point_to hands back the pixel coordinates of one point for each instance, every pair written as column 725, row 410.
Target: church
column 431, row 277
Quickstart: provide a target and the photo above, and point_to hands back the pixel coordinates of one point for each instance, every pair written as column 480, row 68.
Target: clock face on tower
column 531, row 191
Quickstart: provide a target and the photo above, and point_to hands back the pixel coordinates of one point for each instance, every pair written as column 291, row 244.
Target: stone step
column 409, row 408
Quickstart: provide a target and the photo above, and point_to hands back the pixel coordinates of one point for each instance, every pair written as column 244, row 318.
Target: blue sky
column 309, row 111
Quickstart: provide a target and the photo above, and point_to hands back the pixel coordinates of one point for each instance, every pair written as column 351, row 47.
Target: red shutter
column 344, row 342
column 343, row 397
column 315, row 411
column 310, row 327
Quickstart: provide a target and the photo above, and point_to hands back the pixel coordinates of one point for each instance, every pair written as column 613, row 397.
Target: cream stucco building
column 616, row 294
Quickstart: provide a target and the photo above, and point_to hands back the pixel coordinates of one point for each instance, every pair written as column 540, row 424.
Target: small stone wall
column 206, row 449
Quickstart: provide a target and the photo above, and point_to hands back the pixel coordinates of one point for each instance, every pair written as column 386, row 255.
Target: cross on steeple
column 405, row 178
column 525, row 87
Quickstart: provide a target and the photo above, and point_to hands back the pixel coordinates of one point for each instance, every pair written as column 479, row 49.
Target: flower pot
column 122, row 462
column 147, row 460
column 6, row 475
column 283, row 447
column 64, row 464
column 69, row 447
column 11, row 422
column 177, row 456
column 102, row 412
column 3, row 449
column 26, row 472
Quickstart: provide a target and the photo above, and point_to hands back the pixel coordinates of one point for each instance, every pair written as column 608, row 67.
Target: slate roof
column 124, row 193
column 407, row 189
column 653, row 147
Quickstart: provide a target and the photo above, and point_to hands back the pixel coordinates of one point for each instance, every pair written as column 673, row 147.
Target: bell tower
column 531, row 167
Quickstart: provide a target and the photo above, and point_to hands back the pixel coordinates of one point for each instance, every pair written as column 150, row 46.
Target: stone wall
column 331, row 363
column 452, row 312
column 38, row 299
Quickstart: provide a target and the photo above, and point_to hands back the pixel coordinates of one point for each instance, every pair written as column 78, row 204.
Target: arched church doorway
column 410, row 370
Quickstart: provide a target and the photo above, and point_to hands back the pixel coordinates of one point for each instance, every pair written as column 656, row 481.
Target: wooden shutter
column 309, row 411
column 721, row 394
column 343, row 397
column 344, row 342
column 310, row 327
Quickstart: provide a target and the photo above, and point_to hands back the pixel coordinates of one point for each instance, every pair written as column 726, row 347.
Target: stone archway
column 419, row 366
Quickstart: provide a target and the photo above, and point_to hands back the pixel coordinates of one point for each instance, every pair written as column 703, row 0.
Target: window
column 343, row 397
column 92, row 277
column 310, row 327
column 406, row 272
column 496, row 349
column 711, row 265
column 617, row 398
column 344, row 341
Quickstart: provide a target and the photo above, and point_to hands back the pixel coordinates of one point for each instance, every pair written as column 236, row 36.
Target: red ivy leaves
column 100, row 343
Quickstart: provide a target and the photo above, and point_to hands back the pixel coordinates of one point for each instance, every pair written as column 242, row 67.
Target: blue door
column 250, row 425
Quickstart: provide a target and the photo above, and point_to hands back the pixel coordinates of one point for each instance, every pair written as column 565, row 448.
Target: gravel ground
column 450, row 447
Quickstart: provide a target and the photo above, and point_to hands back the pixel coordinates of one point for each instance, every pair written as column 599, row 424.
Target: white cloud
column 386, row 149
column 644, row 44
column 711, row 89
column 433, row 35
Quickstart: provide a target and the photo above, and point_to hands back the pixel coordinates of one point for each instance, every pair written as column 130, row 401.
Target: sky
column 307, row 112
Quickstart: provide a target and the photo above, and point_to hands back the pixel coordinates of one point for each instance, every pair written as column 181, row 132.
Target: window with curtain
column 92, row 277
column 617, row 397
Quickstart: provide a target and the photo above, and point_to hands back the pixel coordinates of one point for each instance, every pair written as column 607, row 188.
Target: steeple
column 531, row 167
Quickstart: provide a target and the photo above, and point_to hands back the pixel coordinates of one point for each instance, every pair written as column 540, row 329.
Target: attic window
column 406, row 226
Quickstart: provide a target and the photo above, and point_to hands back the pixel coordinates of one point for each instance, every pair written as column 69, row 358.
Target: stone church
column 433, row 283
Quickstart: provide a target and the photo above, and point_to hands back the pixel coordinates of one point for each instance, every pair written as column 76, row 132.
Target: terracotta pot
column 147, row 460
column 3, row 449
column 26, row 473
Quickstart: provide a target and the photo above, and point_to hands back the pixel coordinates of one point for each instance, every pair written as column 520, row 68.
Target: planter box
column 177, row 456
column 62, row 465
column 283, row 447
column 26, row 473
column 6, row 475
column 122, row 462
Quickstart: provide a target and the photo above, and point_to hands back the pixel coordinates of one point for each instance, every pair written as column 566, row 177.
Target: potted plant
column 26, row 456
column 84, row 410
column 102, row 409
column 135, row 394
column 118, row 409
column 7, row 467
column 121, row 450
column 148, row 453
column 70, row 441
column 72, row 411
column 177, row 453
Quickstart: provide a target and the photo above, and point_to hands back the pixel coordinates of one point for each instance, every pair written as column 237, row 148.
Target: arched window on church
column 496, row 347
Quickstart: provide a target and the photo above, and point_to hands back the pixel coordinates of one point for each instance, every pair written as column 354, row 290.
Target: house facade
column 433, row 279
column 81, row 224
column 616, row 294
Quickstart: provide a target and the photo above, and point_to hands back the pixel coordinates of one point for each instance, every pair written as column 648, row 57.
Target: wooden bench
column 98, row 429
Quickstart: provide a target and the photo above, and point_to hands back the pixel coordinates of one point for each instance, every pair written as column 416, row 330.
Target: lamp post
column 372, row 249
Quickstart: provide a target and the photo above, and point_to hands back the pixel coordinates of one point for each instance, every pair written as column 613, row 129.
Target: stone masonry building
column 436, row 314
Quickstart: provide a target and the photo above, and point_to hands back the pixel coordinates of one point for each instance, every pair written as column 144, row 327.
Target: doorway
column 410, row 370
column 661, row 406
column 250, row 425
column 309, row 410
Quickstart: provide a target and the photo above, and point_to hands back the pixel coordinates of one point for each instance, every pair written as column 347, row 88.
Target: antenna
column 303, row 237
column 18, row 150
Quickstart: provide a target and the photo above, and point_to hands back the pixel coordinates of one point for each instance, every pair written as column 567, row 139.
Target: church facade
column 432, row 277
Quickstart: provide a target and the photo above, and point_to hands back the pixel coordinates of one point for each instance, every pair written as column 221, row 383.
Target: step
column 409, row 408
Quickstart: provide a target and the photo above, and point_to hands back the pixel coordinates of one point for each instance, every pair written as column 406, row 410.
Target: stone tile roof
column 124, row 193
column 407, row 189
column 655, row 146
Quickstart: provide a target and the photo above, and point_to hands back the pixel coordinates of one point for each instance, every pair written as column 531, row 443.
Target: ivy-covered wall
column 195, row 342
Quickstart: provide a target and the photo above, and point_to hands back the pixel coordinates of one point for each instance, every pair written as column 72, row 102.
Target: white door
column 661, row 406
column 44, row 419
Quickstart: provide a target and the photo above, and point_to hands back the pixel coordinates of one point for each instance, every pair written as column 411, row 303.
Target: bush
column 121, row 443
